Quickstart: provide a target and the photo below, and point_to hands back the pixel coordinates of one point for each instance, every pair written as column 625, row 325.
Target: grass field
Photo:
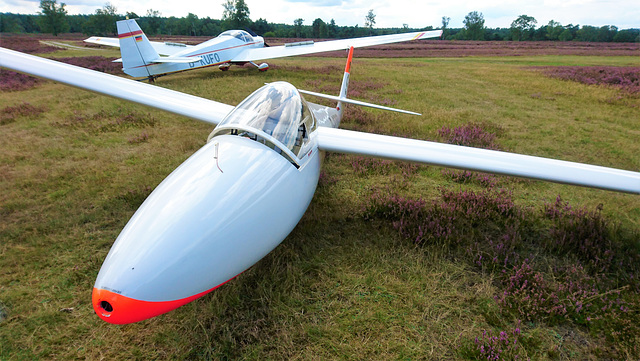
column 508, row 267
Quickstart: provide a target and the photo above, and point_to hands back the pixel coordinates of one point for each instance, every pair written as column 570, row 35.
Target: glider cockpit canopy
column 275, row 115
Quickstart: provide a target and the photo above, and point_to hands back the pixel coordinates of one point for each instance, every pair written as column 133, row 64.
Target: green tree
column 10, row 24
column 445, row 25
column 190, row 25
column 53, row 19
column 235, row 14
column 523, row 27
column 103, row 22
column 261, row 26
column 587, row 33
column 332, row 29
column 627, row 36
column 554, row 29
column 154, row 21
column 606, row 33
column 474, row 26
column 370, row 21
column 319, row 28
column 565, row 35
column 297, row 24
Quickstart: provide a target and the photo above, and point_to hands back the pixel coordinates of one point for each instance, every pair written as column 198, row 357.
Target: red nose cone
column 118, row 309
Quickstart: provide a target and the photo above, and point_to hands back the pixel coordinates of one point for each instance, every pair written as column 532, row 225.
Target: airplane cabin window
column 238, row 34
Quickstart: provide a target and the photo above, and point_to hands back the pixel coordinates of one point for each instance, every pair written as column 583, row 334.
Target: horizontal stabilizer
column 103, row 41
column 356, row 102
column 162, row 48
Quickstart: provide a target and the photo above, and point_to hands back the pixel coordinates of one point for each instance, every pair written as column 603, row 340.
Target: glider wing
column 205, row 110
column 455, row 156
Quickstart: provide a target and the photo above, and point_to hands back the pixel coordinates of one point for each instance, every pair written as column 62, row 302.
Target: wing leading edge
column 273, row 52
column 205, row 110
column 447, row 155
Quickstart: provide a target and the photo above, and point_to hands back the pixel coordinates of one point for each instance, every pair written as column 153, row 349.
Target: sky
column 624, row 14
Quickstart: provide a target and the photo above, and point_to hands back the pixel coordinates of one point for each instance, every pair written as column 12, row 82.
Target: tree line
column 53, row 18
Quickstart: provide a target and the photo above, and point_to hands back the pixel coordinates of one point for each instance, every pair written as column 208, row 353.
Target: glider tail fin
column 135, row 48
column 345, row 82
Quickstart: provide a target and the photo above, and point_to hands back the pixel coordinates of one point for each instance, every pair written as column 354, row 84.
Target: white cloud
column 389, row 13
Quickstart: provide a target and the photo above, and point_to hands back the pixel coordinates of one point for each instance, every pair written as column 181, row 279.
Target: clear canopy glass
column 275, row 112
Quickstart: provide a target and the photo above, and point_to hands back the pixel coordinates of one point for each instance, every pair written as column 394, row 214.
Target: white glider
column 241, row 194
column 142, row 58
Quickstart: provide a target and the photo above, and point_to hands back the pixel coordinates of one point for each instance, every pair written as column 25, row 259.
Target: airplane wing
column 455, row 156
column 310, row 47
column 205, row 110
column 162, row 48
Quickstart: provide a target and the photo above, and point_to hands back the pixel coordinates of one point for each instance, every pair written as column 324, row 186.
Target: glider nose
column 118, row 309
column 217, row 214
column 110, row 306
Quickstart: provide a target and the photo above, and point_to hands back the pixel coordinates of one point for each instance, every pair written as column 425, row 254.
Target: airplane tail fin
column 342, row 98
column 135, row 48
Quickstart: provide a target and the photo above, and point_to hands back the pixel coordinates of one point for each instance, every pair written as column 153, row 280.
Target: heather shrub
column 568, row 293
column 368, row 165
column 625, row 78
column 471, row 135
column 11, row 113
column 358, row 119
column 326, row 179
column 26, row 44
column 466, row 177
column 12, row 81
column 142, row 138
column 97, row 63
column 463, row 216
column 580, row 232
column 584, row 274
column 362, row 165
column 497, row 345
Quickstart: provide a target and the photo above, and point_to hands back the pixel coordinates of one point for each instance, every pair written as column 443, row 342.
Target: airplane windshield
column 277, row 111
column 238, row 34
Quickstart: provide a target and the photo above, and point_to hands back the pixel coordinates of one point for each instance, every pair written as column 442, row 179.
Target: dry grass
column 338, row 287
